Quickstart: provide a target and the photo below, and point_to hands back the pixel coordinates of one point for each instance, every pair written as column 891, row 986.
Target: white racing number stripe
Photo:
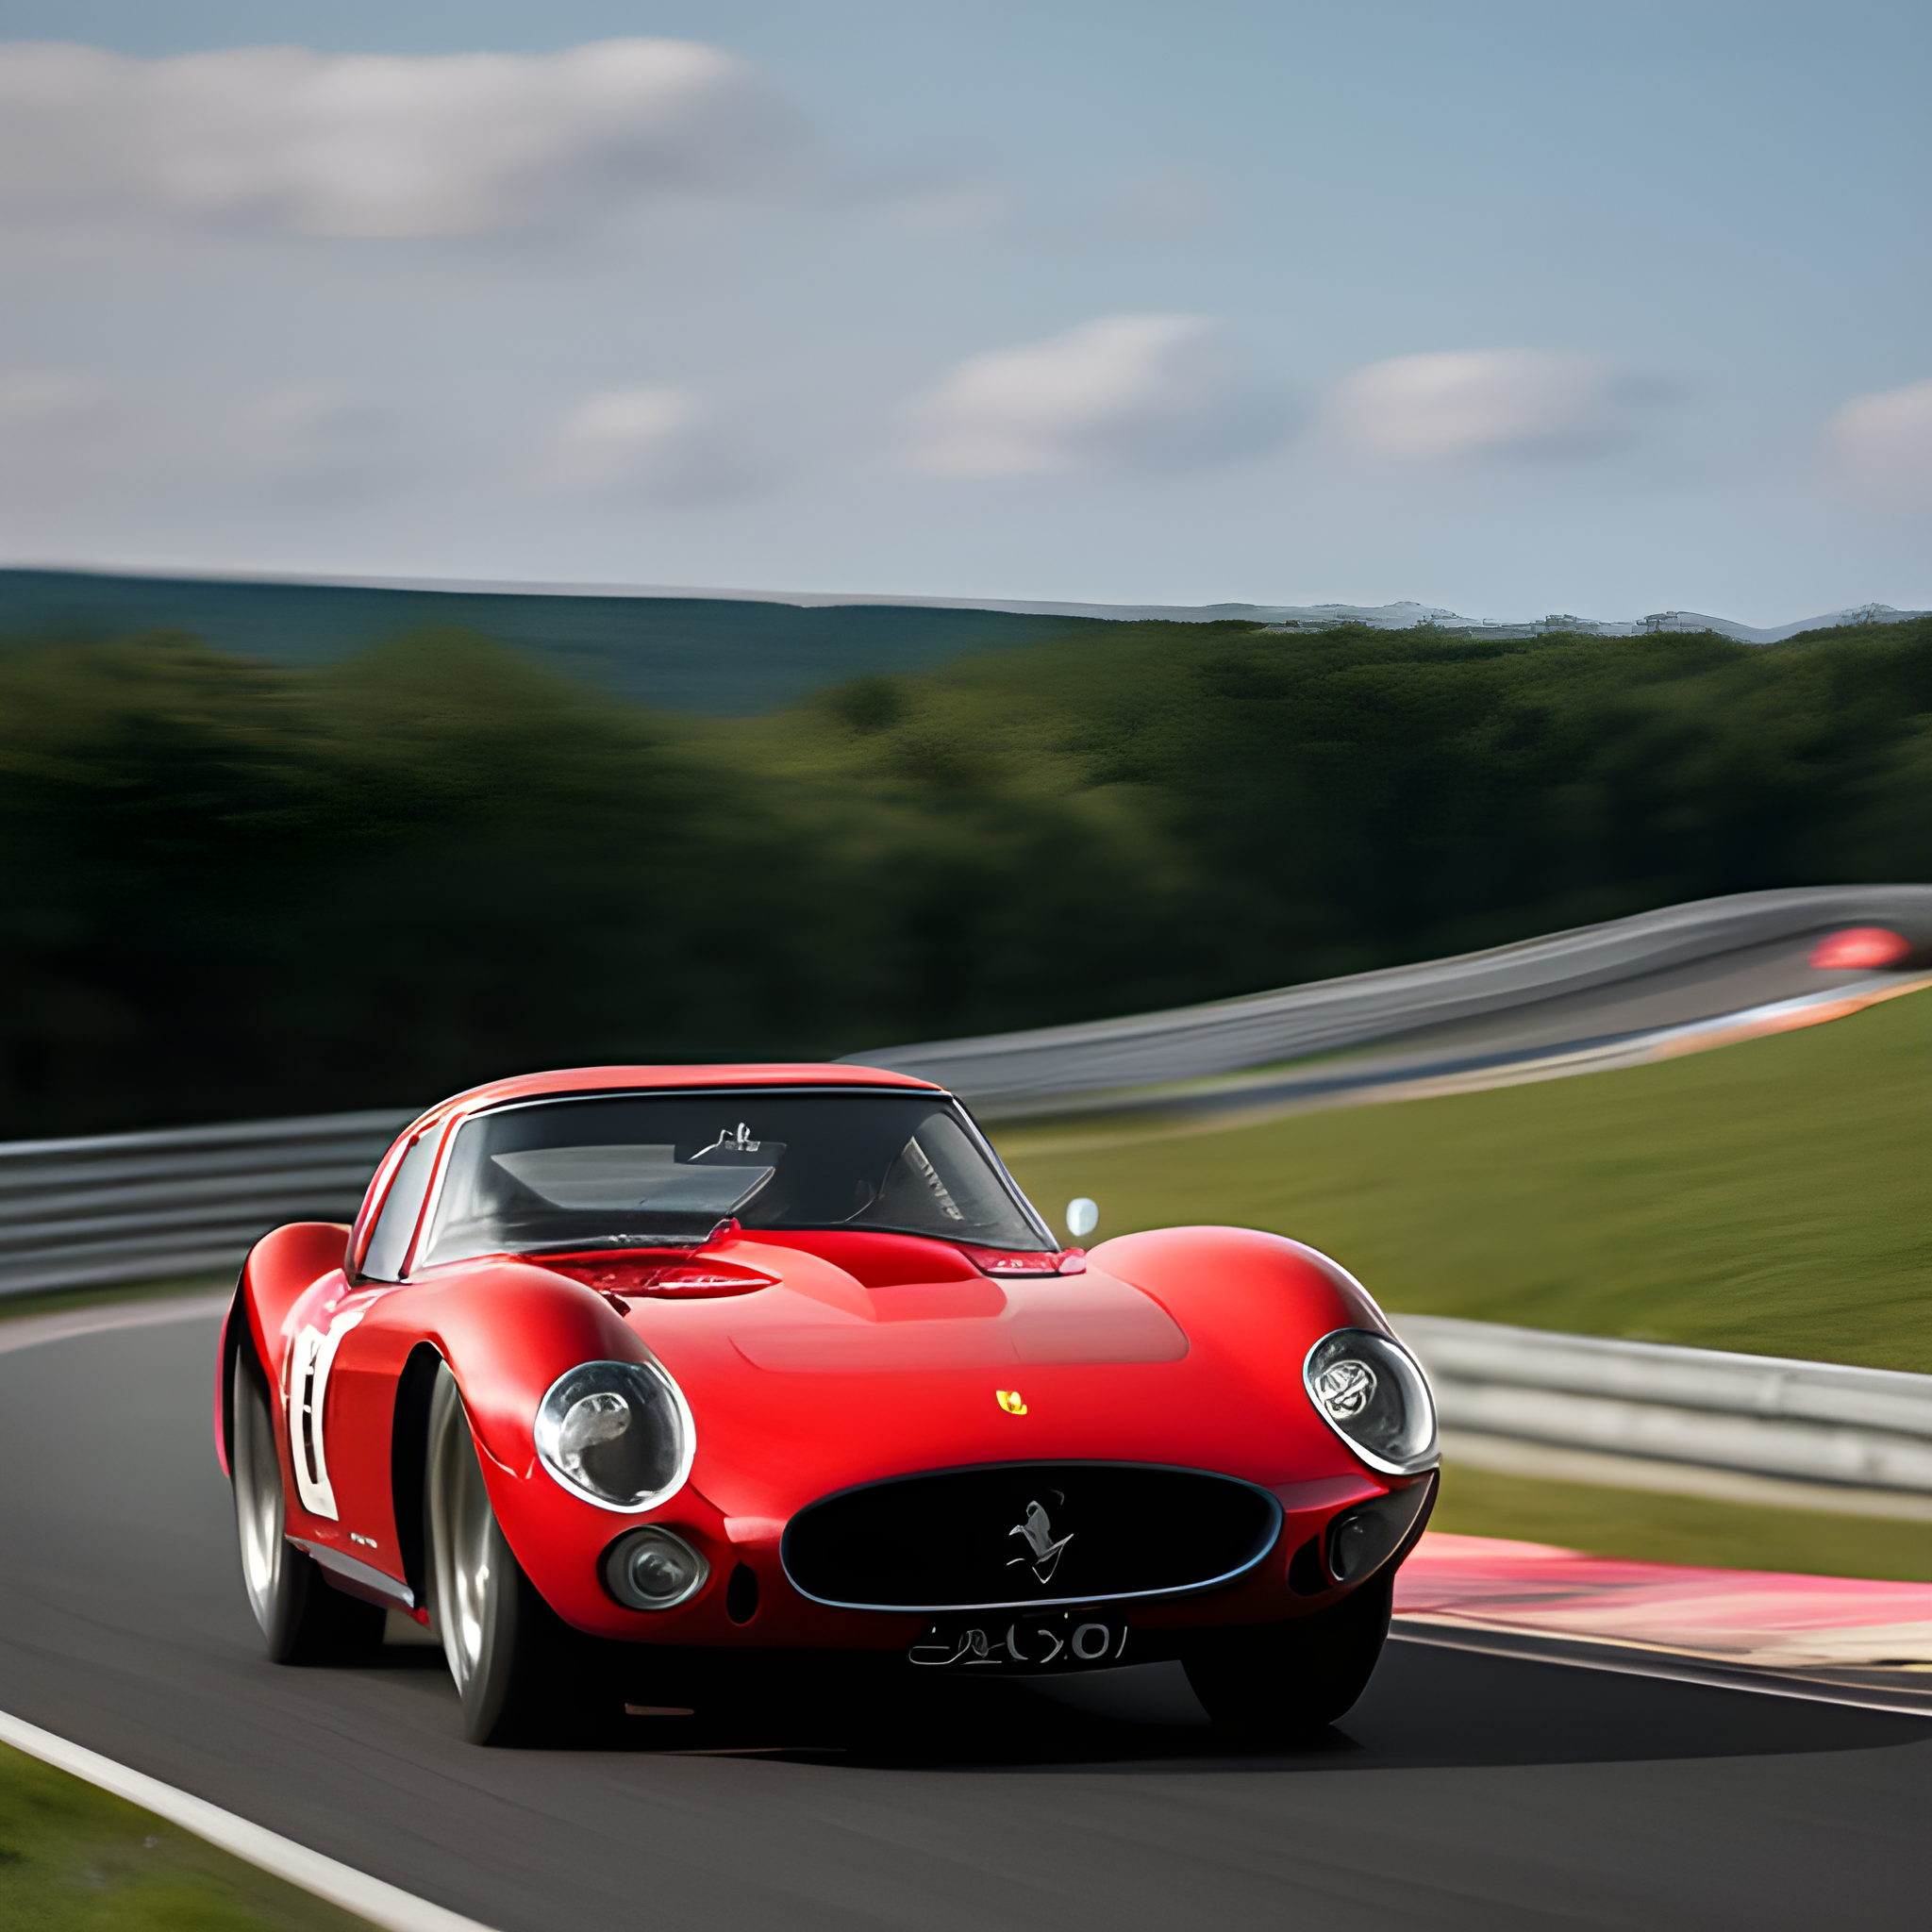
column 381, row 1903
column 309, row 1363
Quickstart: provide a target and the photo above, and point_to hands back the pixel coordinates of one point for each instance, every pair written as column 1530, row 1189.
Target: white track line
column 1669, row 1666
column 342, row 1885
column 355, row 1891
column 30, row 1331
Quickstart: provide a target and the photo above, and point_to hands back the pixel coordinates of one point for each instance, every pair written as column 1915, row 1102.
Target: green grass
column 1680, row 1529
column 1774, row 1196
column 75, row 1860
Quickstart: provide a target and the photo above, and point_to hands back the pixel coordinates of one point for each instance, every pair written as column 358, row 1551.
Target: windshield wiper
column 669, row 1238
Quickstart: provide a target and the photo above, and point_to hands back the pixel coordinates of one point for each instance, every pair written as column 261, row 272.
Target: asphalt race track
column 1464, row 1791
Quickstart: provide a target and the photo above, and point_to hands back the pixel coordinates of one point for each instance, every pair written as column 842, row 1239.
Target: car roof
column 630, row 1080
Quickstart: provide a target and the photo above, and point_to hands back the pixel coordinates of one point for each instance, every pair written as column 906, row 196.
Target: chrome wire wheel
column 462, row 1533
column 302, row 1619
column 494, row 1629
column 260, row 1510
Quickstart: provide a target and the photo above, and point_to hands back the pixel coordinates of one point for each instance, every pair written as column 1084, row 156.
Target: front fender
column 1247, row 1289
column 280, row 1268
column 508, row 1331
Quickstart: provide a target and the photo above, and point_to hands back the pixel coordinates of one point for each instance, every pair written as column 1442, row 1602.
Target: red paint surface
column 1769, row 1618
column 815, row 1362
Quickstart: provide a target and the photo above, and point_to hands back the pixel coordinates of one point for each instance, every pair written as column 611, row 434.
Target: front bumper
column 1325, row 1538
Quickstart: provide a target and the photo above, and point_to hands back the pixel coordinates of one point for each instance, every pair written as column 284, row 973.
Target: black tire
column 1273, row 1680
column 302, row 1621
column 498, row 1635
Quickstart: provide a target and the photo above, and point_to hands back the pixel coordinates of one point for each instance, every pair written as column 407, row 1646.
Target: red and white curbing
column 1844, row 1639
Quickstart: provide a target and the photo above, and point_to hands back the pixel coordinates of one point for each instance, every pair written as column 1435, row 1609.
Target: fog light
column 1363, row 1540
column 653, row 1569
column 1358, row 1544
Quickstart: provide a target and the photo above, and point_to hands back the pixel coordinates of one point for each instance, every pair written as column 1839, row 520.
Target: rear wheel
column 302, row 1619
column 1276, row 1679
column 498, row 1633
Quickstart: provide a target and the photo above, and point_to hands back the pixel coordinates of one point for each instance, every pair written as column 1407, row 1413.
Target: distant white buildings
column 1407, row 616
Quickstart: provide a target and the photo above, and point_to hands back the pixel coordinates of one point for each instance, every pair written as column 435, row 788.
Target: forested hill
column 234, row 888
column 727, row 657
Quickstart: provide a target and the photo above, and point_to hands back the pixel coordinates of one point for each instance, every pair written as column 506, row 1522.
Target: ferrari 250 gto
column 707, row 1362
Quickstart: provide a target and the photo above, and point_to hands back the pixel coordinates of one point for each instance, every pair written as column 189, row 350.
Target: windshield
column 665, row 1169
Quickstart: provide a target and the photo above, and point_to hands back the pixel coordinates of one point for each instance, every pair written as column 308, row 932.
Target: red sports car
column 720, row 1361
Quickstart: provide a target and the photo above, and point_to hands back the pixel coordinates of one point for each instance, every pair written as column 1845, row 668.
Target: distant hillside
column 727, row 657
column 236, row 890
column 731, row 655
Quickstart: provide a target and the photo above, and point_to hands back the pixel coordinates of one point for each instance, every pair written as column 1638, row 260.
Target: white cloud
column 1884, row 442
column 381, row 147
column 659, row 441
column 1123, row 393
column 1524, row 403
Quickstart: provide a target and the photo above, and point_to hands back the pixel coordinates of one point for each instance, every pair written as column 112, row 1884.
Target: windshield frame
column 963, row 1114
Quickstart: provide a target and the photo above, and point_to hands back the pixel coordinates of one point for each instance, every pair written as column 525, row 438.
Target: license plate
column 1027, row 1645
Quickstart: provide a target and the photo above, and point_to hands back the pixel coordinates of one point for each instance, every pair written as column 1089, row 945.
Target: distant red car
column 736, row 1359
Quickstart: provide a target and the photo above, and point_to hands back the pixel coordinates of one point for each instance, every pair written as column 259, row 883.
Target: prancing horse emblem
column 1043, row 1547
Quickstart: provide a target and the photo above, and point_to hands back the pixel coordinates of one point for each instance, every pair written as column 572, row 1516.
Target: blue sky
column 1514, row 308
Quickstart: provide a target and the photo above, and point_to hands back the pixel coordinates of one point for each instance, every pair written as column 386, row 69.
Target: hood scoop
column 1089, row 1318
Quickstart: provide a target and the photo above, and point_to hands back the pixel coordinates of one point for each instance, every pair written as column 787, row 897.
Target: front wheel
column 1278, row 1679
column 496, row 1631
column 303, row 1620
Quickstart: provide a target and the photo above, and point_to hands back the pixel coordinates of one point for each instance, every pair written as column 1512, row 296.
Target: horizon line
column 1403, row 613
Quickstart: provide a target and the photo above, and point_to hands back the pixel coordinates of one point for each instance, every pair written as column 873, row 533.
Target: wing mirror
column 1083, row 1217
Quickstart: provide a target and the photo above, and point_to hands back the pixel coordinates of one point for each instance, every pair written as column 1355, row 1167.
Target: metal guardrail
column 143, row 1207
column 1013, row 1070
column 1803, row 1422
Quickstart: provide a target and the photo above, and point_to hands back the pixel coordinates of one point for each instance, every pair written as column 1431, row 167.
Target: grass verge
column 57, row 1300
column 1774, row 1196
column 1680, row 1529
column 75, row 1860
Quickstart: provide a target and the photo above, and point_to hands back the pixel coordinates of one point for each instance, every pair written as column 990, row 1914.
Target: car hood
column 1161, row 1352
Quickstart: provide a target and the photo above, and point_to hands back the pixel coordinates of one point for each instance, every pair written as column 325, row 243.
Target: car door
column 341, row 1388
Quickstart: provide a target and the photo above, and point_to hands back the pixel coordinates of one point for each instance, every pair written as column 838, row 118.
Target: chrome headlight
column 617, row 1434
column 1372, row 1394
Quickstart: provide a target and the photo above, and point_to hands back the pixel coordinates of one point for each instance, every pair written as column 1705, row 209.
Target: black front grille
column 1024, row 1533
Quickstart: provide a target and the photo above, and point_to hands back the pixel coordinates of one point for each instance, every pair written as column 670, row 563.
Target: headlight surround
column 616, row 1434
column 1372, row 1394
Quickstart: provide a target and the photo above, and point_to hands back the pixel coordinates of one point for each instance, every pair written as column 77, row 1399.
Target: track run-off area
column 1463, row 1791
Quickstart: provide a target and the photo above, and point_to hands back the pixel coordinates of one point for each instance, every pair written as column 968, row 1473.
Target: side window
column 390, row 1244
